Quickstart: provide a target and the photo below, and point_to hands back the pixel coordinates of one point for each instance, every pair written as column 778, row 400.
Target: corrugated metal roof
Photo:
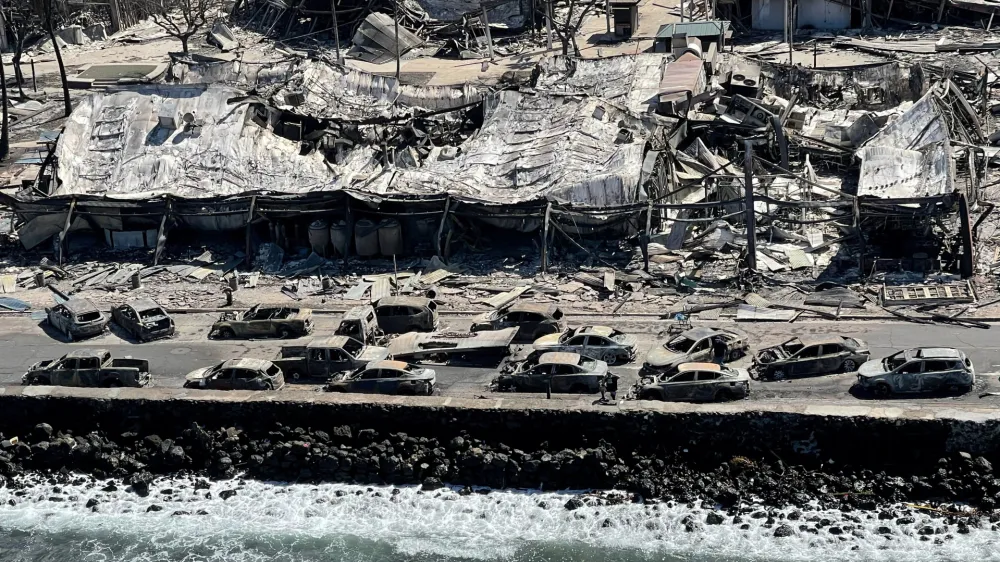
column 693, row 28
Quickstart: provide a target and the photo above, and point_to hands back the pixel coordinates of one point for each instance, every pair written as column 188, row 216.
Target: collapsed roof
column 631, row 81
column 530, row 147
column 324, row 90
column 911, row 156
column 185, row 141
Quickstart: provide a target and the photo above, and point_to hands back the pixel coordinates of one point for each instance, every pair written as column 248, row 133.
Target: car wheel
column 295, row 376
column 777, row 375
column 39, row 381
column 883, row 390
column 735, row 354
column 269, row 385
column 226, row 333
column 578, row 389
column 285, row 333
column 849, row 366
column 723, row 395
column 611, row 357
column 649, row 395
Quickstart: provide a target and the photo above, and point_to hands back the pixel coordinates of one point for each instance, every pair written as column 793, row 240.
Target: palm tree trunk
column 62, row 67
column 5, row 127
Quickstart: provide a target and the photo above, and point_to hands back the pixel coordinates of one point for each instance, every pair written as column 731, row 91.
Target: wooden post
column 444, row 218
column 750, row 218
column 548, row 23
column 545, row 238
column 966, row 265
column 395, row 26
column 644, row 247
column 161, row 235
column 253, row 207
column 65, row 230
column 350, row 227
column 779, row 136
column 607, row 14
column 336, row 31
column 489, row 37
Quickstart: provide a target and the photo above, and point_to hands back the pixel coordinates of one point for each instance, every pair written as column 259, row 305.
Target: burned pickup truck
column 477, row 348
column 320, row 359
column 264, row 322
column 89, row 367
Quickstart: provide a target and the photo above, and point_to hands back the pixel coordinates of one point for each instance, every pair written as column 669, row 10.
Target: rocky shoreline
column 961, row 490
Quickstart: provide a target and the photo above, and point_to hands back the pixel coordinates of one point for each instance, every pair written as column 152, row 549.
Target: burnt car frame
column 692, row 346
column 264, row 322
column 323, row 358
column 89, row 368
column 597, row 342
column 532, row 320
column 810, row 356
column 696, row 382
column 77, row 318
column 145, row 320
column 386, row 377
column 237, row 374
column 558, row 371
column 400, row 314
column 924, row 370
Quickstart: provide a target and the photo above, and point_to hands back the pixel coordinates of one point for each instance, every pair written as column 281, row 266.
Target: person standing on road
column 719, row 349
column 611, row 385
column 602, row 385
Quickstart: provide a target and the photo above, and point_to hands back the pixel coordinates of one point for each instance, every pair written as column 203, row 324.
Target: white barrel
column 338, row 237
column 319, row 236
column 366, row 238
column 390, row 237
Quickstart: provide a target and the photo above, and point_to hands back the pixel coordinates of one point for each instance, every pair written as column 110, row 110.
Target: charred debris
column 692, row 167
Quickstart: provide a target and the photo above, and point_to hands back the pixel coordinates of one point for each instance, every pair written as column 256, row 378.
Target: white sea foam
column 267, row 521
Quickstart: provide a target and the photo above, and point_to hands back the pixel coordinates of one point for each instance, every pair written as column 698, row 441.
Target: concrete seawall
column 876, row 435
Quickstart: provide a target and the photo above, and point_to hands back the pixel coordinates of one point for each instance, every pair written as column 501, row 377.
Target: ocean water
column 345, row 523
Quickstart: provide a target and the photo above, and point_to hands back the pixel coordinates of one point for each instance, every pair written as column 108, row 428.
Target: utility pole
column 607, row 14
column 750, row 219
column 336, row 31
column 395, row 22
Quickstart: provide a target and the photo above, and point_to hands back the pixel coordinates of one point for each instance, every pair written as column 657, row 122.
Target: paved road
column 24, row 341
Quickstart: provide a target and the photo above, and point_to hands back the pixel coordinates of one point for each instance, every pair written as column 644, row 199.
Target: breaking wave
column 337, row 522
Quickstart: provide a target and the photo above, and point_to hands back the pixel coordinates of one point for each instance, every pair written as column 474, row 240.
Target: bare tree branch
column 182, row 18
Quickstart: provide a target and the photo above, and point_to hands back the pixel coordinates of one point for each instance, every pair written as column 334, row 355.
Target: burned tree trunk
column 55, row 46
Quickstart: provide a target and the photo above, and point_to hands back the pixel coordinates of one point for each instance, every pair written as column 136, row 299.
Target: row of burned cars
column 381, row 348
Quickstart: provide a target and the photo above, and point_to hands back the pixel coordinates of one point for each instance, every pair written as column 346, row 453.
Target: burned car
column 144, row 319
column 89, row 367
column 77, row 318
column 399, row 315
column 804, row 356
column 532, row 320
column 597, row 342
column 386, row 377
column 237, row 374
column 359, row 322
column 565, row 372
column 264, row 322
column 693, row 346
column 322, row 358
column 696, row 382
column 921, row 370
